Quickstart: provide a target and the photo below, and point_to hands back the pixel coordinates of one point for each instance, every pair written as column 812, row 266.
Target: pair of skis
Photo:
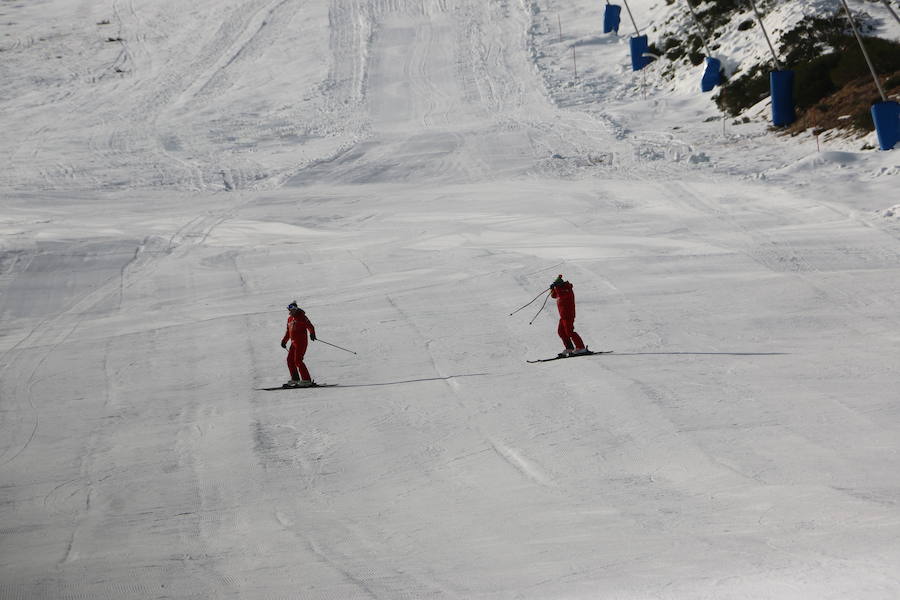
column 540, row 360
column 297, row 387
column 588, row 353
column 558, row 357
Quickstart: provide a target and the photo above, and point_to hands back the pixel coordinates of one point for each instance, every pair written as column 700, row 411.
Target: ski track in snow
column 411, row 171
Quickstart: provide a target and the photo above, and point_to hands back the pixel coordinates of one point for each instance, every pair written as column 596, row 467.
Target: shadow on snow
column 699, row 353
column 353, row 385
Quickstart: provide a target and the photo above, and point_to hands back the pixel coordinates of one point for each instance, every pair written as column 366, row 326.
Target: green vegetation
column 826, row 59
column 831, row 78
column 712, row 14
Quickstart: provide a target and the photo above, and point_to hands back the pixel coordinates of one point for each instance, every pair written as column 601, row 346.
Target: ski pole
column 335, row 346
column 539, row 311
column 529, row 304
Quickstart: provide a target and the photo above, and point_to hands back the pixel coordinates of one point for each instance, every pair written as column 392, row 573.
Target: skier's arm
column 311, row 329
column 287, row 336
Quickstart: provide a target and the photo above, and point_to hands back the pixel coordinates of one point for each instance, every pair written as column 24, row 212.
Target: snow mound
column 821, row 161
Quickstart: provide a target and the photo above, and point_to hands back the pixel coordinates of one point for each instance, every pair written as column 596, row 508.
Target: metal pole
column 761, row 26
column 890, row 8
column 700, row 26
column 530, row 303
column 636, row 30
column 865, row 54
column 575, row 63
column 539, row 310
column 335, row 346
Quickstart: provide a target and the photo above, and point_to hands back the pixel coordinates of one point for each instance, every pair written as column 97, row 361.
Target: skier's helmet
column 293, row 306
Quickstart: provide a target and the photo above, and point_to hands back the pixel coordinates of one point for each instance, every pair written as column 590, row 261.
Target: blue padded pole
column 639, row 46
column 781, row 84
column 612, row 16
column 711, row 76
column 886, row 116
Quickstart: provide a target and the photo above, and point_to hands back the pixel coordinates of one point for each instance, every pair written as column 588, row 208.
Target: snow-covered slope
column 216, row 95
column 412, row 171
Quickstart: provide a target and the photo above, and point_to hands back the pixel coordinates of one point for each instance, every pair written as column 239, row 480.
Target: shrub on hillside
column 824, row 56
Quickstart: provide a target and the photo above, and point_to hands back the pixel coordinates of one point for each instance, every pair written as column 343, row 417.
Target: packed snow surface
column 412, row 172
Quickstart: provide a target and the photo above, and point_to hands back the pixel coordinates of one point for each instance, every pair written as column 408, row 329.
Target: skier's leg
column 569, row 325
column 304, row 372
column 579, row 343
column 563, row 331
column 292, row 362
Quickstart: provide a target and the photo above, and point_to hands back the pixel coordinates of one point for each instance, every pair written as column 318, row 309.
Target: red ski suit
column 296, row 333
column 565, row 302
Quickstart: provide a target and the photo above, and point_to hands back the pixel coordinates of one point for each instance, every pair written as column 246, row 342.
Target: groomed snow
column 412, row 171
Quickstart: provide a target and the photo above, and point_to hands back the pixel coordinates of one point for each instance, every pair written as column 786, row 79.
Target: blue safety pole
column 886, row 116
column 639, row 56
column 884, row 113
column 612, row 16
column 781, row 84
column 712, row 75
column 639, row 45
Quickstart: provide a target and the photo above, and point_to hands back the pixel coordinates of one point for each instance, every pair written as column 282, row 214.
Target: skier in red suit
column 297, row 326
column 565, row 302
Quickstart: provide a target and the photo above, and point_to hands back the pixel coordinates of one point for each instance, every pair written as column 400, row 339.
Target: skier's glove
column 312, row 336
column 284, row 344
